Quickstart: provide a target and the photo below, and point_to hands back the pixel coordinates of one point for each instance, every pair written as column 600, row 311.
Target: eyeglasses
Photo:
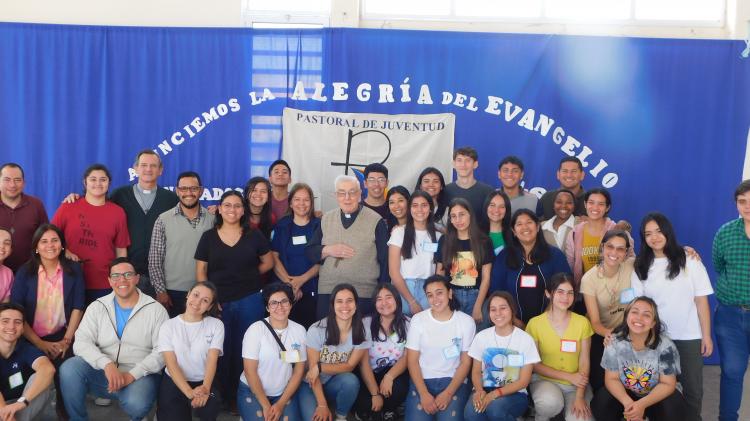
column 347, row 194
column 379, row 180
column 191, row 189
column 117, row 276
column 284, row 303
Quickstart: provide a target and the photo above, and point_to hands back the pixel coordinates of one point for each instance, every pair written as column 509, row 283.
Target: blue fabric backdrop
column 670, row 117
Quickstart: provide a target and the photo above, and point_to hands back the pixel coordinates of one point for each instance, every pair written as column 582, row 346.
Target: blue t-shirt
column 121, row 317
column 16, row 369
column 290, row 241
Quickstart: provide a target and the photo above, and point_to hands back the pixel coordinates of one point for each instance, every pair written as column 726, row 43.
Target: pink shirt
column 50, row 311
column 6, row 283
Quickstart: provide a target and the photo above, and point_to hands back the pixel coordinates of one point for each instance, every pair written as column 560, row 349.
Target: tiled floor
column 710, row 402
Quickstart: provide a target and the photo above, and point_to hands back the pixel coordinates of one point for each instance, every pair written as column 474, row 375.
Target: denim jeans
column 454, row 410
column 415, row 286
column 505, row 408
column 732, row 327
column 237, row 316
column 467, row 298
column 78, row 378
column 342, row 388
column 250, row 408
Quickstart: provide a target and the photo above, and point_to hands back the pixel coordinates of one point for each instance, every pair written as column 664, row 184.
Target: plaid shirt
column 731, row 257
column 159, row 248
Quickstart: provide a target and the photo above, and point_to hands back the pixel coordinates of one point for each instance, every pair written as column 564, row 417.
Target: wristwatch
column 23, row 400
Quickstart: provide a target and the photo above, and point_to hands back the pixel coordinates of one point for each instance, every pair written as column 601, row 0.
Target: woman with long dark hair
column 384, row 378
column 641, row 366
column 680, row 286
column 525, row 266
column 336, row 346
column 411, row 252
column 51, row 289
column 431, row 181
column 497, row 206
column 260, row 216
column 191, row 344
column 465, row 255
column 234, row 256
column 437, row 345
column 563, row 338
column 290, row 238
column 397, row 200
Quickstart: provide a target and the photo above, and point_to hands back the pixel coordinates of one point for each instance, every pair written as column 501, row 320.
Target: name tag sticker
column 568, row 346
column 627, row 295
column 429, row 247
column 15, row 380
column 515, row 360
column 299, row 239
column 528, row 281
column 290, row 356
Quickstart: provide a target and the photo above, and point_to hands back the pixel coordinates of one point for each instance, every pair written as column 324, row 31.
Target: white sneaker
column 102, row 402
column 340, row 417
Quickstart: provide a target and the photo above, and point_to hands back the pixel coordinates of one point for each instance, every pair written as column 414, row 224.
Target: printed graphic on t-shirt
column 464, row 269
column 87, row 234
column 638, row 377
column 496, row 370
column 333, row 357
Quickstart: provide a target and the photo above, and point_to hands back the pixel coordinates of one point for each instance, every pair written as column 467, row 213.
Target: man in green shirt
column 731, row 258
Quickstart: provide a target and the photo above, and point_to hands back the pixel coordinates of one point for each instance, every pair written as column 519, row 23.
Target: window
column 286, row 13
column 626, row 12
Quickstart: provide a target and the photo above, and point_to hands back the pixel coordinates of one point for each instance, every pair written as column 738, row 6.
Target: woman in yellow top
column 563, row 338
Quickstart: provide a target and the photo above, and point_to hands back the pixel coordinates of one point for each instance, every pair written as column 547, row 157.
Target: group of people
column 450, row 301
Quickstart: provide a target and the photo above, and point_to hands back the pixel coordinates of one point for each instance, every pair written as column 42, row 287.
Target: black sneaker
column 389, row 416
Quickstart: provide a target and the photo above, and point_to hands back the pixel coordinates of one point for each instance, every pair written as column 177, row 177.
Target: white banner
column 321, row 145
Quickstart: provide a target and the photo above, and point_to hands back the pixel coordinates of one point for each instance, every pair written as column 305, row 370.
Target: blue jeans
column 732, row 327
column 467, row 298
column 455, row 409
column 415, row 286
column 506, row 408
column 342, row 388
column 250, row 408
column 237, row 316
column 77, row 378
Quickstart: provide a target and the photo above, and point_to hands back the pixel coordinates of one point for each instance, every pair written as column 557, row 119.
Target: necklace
column 510, row 339
column 198, row 332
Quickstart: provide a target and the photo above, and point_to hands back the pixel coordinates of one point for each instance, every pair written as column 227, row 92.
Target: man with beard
column 171, row 266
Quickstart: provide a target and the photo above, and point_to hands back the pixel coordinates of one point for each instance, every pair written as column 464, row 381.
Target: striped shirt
column 731, row 258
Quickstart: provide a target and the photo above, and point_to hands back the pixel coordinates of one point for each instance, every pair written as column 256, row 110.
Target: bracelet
column 322, row 406
column 377, row 394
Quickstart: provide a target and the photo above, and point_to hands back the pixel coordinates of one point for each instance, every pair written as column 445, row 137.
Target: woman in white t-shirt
column 437, row 355
column 271, row 373
column 383, row 377
column 191, row 344
column 411, row 249
column 504, row 357
column 335, row 347
column 680, row 286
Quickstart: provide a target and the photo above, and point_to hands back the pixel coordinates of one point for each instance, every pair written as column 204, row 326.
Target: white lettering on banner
column 527, row 118
column 350, row 141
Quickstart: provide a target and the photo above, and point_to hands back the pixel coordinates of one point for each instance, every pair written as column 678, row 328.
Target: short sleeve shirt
column 17, row 368
column 386, row 351
column 560, row 353
column 608, row 292
column 639, row 371
column 233, row 269
column 495, row 353
column 464, row 269
column 421, row 264
column 260, row 345
column 331, row 354
column 190, row 342
column 440, row 342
